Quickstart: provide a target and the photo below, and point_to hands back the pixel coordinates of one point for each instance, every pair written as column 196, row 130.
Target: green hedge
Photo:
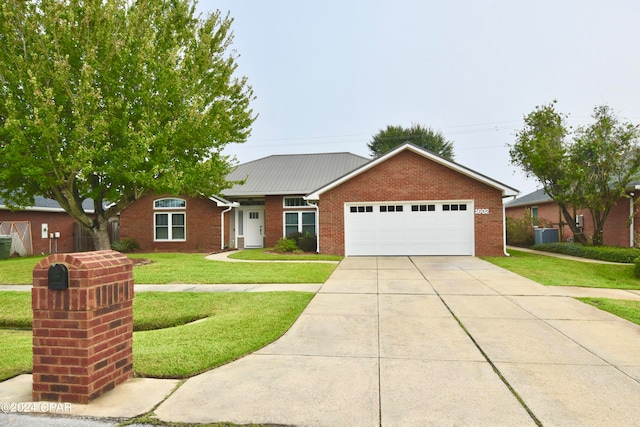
column 603, row 253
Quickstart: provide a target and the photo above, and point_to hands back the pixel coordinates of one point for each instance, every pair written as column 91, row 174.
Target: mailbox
column 58, row 277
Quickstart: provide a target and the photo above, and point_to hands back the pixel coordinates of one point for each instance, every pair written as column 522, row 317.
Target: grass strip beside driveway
column 234, row 324
column 552, row 271
column 627, row 309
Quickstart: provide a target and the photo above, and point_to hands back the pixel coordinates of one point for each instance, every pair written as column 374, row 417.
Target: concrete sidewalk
column 397, row 341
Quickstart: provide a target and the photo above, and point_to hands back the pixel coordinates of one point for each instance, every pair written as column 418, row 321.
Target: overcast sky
column 328, row 74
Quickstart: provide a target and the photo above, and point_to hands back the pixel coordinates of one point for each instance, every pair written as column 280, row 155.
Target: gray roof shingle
column 45, row 204
column 291, row 173
column 538, row 196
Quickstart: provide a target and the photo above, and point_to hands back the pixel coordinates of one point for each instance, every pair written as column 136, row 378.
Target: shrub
column 602, row 253
column 295, row 237
column 636, row 270
column 520, row 231
column 308, row 243
column 285, row 245
column 125, row 245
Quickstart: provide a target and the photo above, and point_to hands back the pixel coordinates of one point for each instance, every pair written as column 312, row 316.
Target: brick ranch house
column 621, row 228
column 408, row 201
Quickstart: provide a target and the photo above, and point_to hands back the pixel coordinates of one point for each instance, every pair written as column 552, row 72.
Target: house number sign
column 482, row 211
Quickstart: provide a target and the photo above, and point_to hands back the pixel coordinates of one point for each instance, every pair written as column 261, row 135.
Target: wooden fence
column 82, row 241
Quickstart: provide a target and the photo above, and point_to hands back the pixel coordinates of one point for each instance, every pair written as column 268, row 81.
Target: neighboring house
column 621, row 227
column 44, row 228
column 408, row 201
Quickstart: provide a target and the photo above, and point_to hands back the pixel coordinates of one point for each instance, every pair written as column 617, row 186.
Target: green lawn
column 552, row 271
column 627, row 309
column 194, row 268
column 18, row 271
column 169, row 268
column 268, row 255
column 235, row 324
column 15, row 353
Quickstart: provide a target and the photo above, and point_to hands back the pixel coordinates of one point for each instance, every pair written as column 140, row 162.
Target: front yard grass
column 552, row 271
column 232, row 325
column 170, row 268
column 268, row 255
column 18, row 270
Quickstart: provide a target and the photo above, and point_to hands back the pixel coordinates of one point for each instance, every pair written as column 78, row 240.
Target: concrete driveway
column 398, row 341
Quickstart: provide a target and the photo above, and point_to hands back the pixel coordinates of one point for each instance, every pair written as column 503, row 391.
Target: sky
column 328, row 75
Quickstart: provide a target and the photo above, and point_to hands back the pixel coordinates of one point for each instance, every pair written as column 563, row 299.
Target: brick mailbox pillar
column 82, row 333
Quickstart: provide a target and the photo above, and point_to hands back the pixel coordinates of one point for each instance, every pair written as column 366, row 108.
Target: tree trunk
column 99, row 232
column 598, row 228
column 578, row 235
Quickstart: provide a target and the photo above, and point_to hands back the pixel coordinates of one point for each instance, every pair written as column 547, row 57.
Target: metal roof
column 291, row 173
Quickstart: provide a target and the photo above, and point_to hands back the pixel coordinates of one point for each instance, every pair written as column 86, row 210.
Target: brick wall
column 272, row 220
column 274, row 217
column 409, row 176
column 203, row 225
column 82, row 336
column 57, row 221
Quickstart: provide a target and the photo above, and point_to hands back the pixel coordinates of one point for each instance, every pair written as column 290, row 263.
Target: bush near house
column 285, row 245
column 602, row 253
column 125, row 245
column 301, row 242
column 520, row 231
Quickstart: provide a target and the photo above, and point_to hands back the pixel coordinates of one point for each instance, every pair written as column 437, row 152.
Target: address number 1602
column 482, row 211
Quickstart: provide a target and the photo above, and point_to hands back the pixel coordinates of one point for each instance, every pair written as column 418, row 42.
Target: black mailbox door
column 58, row 277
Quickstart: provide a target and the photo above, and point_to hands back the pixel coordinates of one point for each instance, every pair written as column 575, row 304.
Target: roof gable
column 290, row 173
column 533, row 198
column 506, row 190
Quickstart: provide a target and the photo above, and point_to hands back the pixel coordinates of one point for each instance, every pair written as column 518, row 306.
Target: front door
column 254, row 228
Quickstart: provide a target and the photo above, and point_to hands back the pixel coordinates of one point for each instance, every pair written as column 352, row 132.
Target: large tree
column 109, row 100
column 605, row 158
column 589, row 169
column 425, row 137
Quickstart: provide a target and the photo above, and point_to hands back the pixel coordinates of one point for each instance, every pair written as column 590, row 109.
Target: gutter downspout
column 504, row 228
column 315, row 206
column 222, row 226
column 632, row 226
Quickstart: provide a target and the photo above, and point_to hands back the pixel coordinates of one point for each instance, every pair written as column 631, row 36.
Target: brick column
column 83, row 335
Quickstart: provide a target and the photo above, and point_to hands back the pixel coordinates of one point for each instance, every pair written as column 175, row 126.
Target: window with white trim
column 302, row 222
column 169, row 203
column 292, row 202
column 170, row 226
column 534, row 216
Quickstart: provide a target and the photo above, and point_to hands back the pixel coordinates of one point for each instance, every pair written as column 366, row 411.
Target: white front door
column 254, row 228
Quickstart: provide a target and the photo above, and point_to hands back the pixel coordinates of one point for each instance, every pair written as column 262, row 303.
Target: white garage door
column 409, row 228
